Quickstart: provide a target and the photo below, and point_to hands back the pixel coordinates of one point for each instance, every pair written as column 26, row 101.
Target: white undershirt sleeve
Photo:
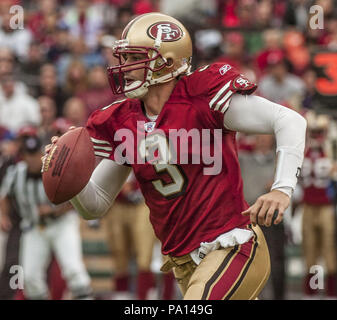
column 102, row 189
column 256, row 115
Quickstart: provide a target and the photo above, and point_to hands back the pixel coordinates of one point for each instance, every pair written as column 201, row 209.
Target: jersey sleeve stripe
column 102, row 154
column 103, row 148
column 219, row 94
column 225, row 107
column 223, row 100
column 97, row 141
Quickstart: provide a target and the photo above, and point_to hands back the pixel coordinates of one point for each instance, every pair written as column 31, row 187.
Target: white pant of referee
column 61, row 237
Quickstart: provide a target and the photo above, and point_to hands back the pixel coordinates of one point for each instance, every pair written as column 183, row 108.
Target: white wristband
column 288, row 167
column 287, row 190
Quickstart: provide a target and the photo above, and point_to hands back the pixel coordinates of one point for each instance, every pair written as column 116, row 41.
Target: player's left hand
column 262, row 211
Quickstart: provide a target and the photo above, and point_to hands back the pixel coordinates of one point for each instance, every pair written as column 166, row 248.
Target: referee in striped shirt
column 22, row 183
column 46, row 228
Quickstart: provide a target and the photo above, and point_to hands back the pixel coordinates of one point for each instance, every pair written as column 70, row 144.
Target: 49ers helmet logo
column 170, row 31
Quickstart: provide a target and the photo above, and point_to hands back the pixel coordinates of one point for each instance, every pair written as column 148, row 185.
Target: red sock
column 19, row 295
column 56, row 283
column 307, row 289
column 168, row 287
column 145, row 281
column 331, row 285
column 122, row 282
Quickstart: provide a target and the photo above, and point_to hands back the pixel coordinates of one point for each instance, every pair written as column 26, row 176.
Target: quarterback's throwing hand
column 262, row 211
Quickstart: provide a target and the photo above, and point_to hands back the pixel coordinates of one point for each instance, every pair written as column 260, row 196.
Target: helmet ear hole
column 169, row 62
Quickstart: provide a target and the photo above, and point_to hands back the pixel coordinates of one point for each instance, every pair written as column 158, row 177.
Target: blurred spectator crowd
column 53, row 71
column 55, row 66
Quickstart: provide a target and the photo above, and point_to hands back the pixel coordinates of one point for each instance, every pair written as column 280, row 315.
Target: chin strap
column 143, row 89
column 184, row 68
column 139, row 92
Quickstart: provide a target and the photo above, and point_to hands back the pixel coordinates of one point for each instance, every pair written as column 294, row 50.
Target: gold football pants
column 318, row 231
column 236, row 273
column 130, row 232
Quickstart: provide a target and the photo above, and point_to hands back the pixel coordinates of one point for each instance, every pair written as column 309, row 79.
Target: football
column 68, row 166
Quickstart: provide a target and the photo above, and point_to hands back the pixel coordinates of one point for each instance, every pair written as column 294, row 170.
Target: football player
column 318, row 220
column 209, row 235
column 129, row 231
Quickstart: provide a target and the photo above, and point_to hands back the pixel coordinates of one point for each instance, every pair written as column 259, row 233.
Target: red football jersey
column 315, row 175
column 187, row 205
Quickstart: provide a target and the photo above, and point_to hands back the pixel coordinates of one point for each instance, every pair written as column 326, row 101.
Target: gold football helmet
column 318, row 125
column 167, row 49
column 317, row 121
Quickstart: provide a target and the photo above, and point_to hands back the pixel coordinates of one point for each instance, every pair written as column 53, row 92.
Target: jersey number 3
column 158, row 144
column 179, row 181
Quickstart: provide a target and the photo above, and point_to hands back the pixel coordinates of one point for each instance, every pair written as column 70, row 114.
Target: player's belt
column 172, row 262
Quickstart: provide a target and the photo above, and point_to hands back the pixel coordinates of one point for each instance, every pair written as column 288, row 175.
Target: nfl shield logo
column 149, row 126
